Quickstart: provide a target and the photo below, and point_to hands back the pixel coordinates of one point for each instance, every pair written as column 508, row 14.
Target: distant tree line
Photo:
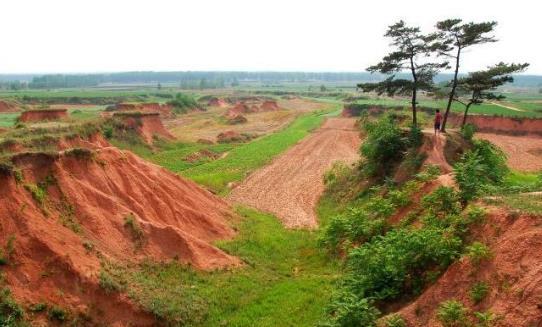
column 423, row 55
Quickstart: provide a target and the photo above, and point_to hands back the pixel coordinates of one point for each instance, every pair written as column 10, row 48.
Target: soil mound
column 43, row 115
column 237, row 119
column 217, row 102
column 512, row 274
column 269, row 106
column 164, row 110
column 202, row 155
column 66, row 214
column 8, row 106
column 232, row 136
column 239, row 108
column 148, row 125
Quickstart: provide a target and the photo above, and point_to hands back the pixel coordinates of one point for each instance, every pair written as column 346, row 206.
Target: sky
column 243, row 35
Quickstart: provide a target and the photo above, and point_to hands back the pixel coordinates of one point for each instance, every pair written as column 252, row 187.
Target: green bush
column 183, row 102
column 383, row 146
column 10, row 311
column 395, row 320
column 478, row 292
column 485, row 319
column 57, row 313
column 108, row 283
column 468, row 131
column 396, row 263
column 484, row 165
column 452, row 313
column 442, row 201
column 347, row 310
column 478, row 252
column 415, row 137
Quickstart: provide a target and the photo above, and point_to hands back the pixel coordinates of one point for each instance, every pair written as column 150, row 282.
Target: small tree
column 481, row 85
column 453, row 37
column 410, row 46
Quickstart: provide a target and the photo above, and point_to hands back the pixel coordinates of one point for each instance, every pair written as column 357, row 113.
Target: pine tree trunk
column 452, row 92
column 414, row 92
column 465, row 115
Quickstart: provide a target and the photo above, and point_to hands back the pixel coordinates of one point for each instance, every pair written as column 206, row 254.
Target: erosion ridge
column 68, row 213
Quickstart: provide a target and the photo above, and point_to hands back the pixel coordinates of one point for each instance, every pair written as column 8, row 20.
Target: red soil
column 524, row 152
column 216, row 102
column 433, row 146
column 500, row 125
column 178, row 221
column 43, row 115
column 6, row 106
column 231, row 136
column 269, row 106
column 513, row 274
column 147, row 125
column 164, row 110
column 245, row 108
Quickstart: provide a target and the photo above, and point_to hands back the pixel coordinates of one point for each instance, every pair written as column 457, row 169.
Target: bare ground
column 524, row 152
column 292, row 184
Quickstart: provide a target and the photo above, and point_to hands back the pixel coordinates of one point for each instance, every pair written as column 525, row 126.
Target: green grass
column 8, row 119
column 244, row 158
column 287, row 280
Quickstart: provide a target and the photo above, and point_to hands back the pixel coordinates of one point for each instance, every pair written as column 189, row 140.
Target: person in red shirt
column 438, row 119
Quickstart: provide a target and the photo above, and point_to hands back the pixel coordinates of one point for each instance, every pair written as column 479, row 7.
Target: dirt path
column 292, row 184
column 506, row 107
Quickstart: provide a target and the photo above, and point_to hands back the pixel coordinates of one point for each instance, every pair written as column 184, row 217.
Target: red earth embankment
column 43, row 115
column 69, row 213
column 500, row 125
column 165, row 110
column 217, row 102
column 8, row 106
column 513, row 275
column 251, row 107
column 146, row 124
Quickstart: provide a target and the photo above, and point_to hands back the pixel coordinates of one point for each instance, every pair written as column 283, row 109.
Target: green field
column 241, row 159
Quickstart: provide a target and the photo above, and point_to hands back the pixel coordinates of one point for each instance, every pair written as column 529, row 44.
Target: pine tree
column 453, row 38
column 481, row 85
column 411, row 47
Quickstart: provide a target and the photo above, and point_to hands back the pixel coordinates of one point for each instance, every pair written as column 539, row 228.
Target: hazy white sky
column 277, row 35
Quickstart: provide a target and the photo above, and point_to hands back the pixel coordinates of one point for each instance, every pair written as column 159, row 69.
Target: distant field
column 8, row 119
column 530, row 109
column 246, row 157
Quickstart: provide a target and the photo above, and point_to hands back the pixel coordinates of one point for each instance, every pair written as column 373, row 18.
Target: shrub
column 430, row 173
column 484, row 165
column 80, row 153
column 10, row 311
column 395, row 320
column 354, row 226
column 467, row 131
column 478, row 292
column 349, row 310
column 131, row 223
column 415, row 137
column 107, row 282
column 485, row 319
column 384, row 268
column 38, row 307
column 182, row 102
column 478, row 252
column 452, row 313
column 442, row 201
column 57, row 313
column 383, row 146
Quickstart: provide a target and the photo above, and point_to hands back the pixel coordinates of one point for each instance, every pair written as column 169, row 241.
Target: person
column 438, row 119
